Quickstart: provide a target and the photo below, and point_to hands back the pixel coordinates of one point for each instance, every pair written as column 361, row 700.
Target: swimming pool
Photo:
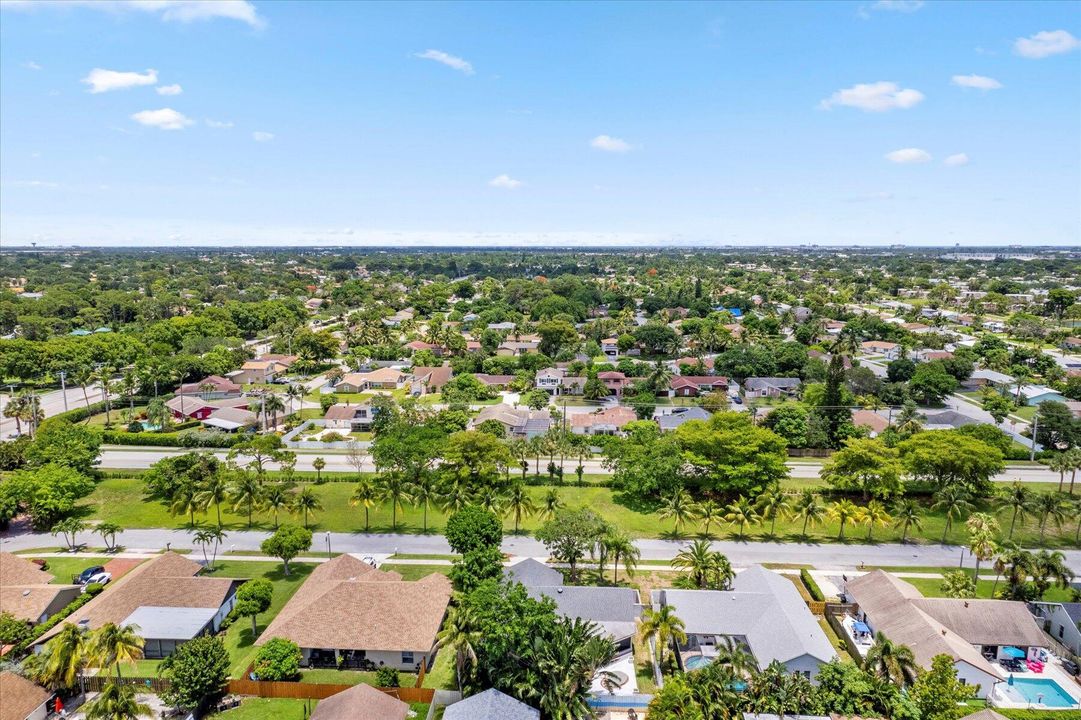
column 697, row 662
column 1043, row 690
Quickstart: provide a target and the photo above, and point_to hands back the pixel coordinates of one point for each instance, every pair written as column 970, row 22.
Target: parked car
column 1071, row 667
column 101, row 578
column 84, row 577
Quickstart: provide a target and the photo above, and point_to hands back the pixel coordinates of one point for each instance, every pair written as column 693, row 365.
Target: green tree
column 891, row 661
column 252, row 598
column 247, row 492
column 958, row 584
column 728, row 454
column 278, row 659
column 64, row 658
column 116, row 702
column 772, row 504
column 951, row 458
column 70, row 528
column 473, row 528
column 679, row 507
column 623, row 552
column 207, row 538
column 1019, row 500
column 108, row 532
column 931, row 383
column 475, row 567
column 460, row 636
column 319, row 463
column 366, row 495
column 938, row 693
column 1049, row 506
column 982, row 532
column 809, row 508
column 276, row 497
column 706, row 568
column 197, row 670
column 844, row 511
column 286, row 543
column 214, row 491
column 874, row 513
column 305, row 503
column 646, row 463
column 519, row 504
column 59, row 442
column 663, row 626
column 570, row 535
column 393, row 489
column 741, row 511
column 867, row 465
column 996, row 405
column 953, row 501
column 112, row 645
column 707, row 513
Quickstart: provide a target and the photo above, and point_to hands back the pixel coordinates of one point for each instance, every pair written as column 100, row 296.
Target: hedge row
column 812, row 586
column 53, row 621
column 190, row 440
column 1021, row 714
column 82, row 413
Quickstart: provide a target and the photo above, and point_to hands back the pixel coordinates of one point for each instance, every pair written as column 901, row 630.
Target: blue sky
column 555, row 123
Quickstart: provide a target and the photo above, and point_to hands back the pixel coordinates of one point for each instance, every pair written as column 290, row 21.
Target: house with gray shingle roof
column 530, row 572
column 490, row 705
column 763, row 612
column 677, row 417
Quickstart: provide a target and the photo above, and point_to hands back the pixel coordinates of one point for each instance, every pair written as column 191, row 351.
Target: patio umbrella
column 1013, row 652
column 1010, row 681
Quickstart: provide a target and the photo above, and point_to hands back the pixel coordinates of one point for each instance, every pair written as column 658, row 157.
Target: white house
column 1061, row 621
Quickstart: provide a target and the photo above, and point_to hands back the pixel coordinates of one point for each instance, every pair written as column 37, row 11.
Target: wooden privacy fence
column 317, row 691
column 95, row 683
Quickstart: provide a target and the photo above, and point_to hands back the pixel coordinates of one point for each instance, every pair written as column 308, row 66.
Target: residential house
column 930, row 355
column 418, row 345
column 381, row 379
column 517, row 421
column 22, row 699
column 555, row 381
column 871, row 420
column 614, row 381
column 1071, row 343
column 988, row 378
column 889, row 350
column 692, row 362
column 1036, row 394
column 502, row 326
column 495, row 382
column 994, row 326
column 763, row 612
column 610, row 347
column 258, row 372
column 490, row 705
column 166, row 598
column 972, row 632
column 1062, row 621
column 695, row 385
column 348, row 614
column 314, row 304
column 516, row 348
column 398, row 318
column 196, row 407
column 27, row 592
column 530, row 572
column 349, row 417
column 947, row 420
column 770, row 387
column 671, row 421
column 430, row 379
column 602, row 422
column 360, row 702
column 917, row 327
column 212, row 387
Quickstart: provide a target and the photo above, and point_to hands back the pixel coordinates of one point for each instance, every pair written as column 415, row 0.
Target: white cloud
column 184, row 11
column 219, row 123
column 609, row 144
column 169, row 89
column 447, row 59
column 909, row 156
column 874, row 97
column 31, row 65
column 979, row 82
column 262, row 136
column 35, row 184
column 1047, row 42
column 101, row 80
column 956, row 160
column 506, row 182
column 165, row 119
column 905, row 6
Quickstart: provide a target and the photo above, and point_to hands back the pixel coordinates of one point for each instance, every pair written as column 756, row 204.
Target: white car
column 102, row 578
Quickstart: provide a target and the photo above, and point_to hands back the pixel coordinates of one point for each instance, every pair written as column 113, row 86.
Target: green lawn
column 441, row 676
column 120, row 501
column 932, row 587
column 64, row 568
column 330, row 676
column 1026, row 412
column 415, row 572
column 268, row 709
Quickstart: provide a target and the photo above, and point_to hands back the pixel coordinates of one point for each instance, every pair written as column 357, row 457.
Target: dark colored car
column 1071, row 667
column 84, row 577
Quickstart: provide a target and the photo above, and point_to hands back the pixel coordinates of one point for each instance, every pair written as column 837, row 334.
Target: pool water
column 1043, row 690
column 697, row 662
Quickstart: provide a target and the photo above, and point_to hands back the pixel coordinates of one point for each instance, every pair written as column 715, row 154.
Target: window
column 407, row 658
column 1060, row 629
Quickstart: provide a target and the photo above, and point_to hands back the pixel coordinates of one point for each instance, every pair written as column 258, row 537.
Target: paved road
column 52, row 403
column 822, row 556
column 133, row 458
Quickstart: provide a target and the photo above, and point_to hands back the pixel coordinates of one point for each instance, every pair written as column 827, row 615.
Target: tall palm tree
column 1049, row 568
column 116, row 702
column 663, row 625
column 209, row 537
column 306, row 502
column 982, row 530
column 519, row 450
column 1018, row 498
column 875, row 514
column 424, row 493
column 157, row 414
column 1074, row 456
column 276, row 497
column 771, row 504
column 456, row 494
column 247, row 492
column 891, row 661
column 680, row 507
column 1016, row 565
column 394, row 489
column 65, row 656
column 1049, row 506
column 366, row 494
column 185, row 502
column 709, row 512
column 659, row 377
column 810, row 508
column 272, row 405
column 907, row 514
column 460, row 636
column 707, row 568
column 108, row 531
column 519, row 504
column 112, row 645
column 954, row 502
column 214, row 490
column 550, row 504
column 734, row 656
column 741, row 511
column 294, row 392
column 491, row 500
column 844, row 511
column 319, row 463
column 622, row 551
column 1061, row 463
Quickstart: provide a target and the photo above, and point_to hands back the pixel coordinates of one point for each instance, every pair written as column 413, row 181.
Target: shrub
column 812, row 586
column 279, row 659
column 42, row 628
column 473, row 528
column 135, row 426
column 333, row 436
column 387, row 677
column 198, row 439
column 199, row 669
column 12, row 629
column 93, row 589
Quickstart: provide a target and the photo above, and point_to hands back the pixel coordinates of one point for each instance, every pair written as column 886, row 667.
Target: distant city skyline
column 509, row 124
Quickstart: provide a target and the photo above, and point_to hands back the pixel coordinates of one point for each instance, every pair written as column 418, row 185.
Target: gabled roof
column 433, row 375
column 360, row 702
column 615, row 609
column 15, row 570
column 343, row 412
column 29, row 602
column 617, row 416
column 531, row 572
column 346, row 604
column 21, row 697
column 220, row 385
column 490, row 705
column 677, row 417
column 759, row 383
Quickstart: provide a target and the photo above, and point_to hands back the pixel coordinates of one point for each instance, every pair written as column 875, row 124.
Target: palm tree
column 64, row 658
column 890, row 661
column 709, row 512
column 272, row 405
column 844, row 511
column 366, row 495
column 319, row 463
column 875, row 514
column 734, row 656
column 108, row 531
column 659, row 377
column 305, row 502
column 1061, row 463
column 393, row 489
column 157, row 414
column 294, row 392
column 456, row 494
column 213, row 491
column 954, row 502
column 772, row 503
column 519, row 449
column 741, row 511
column 491, row 500
column 1018, row 498
column 907, row 514
column 1007, row 557
column 663, row 625
column 459, row 635
column 116, row 702
column 680, row 507
column 185, row 502
column 1074, row 455
column 550, row 504
column 519, row 504
column 70, row 527
column 1049, row 568
column 1049, row 506
column 112, row 645
column 982, row 529
column 703, row 564
column 810, row 508
column 103, row 376
column 246, row 491
column 276, row 497
column 424, row 493
column 622, row 550
column 207, row 537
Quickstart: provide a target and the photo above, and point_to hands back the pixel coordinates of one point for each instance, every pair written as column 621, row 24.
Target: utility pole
column 64, row 389
column 1035, row 427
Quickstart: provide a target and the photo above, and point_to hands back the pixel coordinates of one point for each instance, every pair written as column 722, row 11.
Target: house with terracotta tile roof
column 694, row 385
column 27, row 592
column 211, row 387
column 348, row 614
column 430, row 379
column 610, row 421
column 381, row 379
